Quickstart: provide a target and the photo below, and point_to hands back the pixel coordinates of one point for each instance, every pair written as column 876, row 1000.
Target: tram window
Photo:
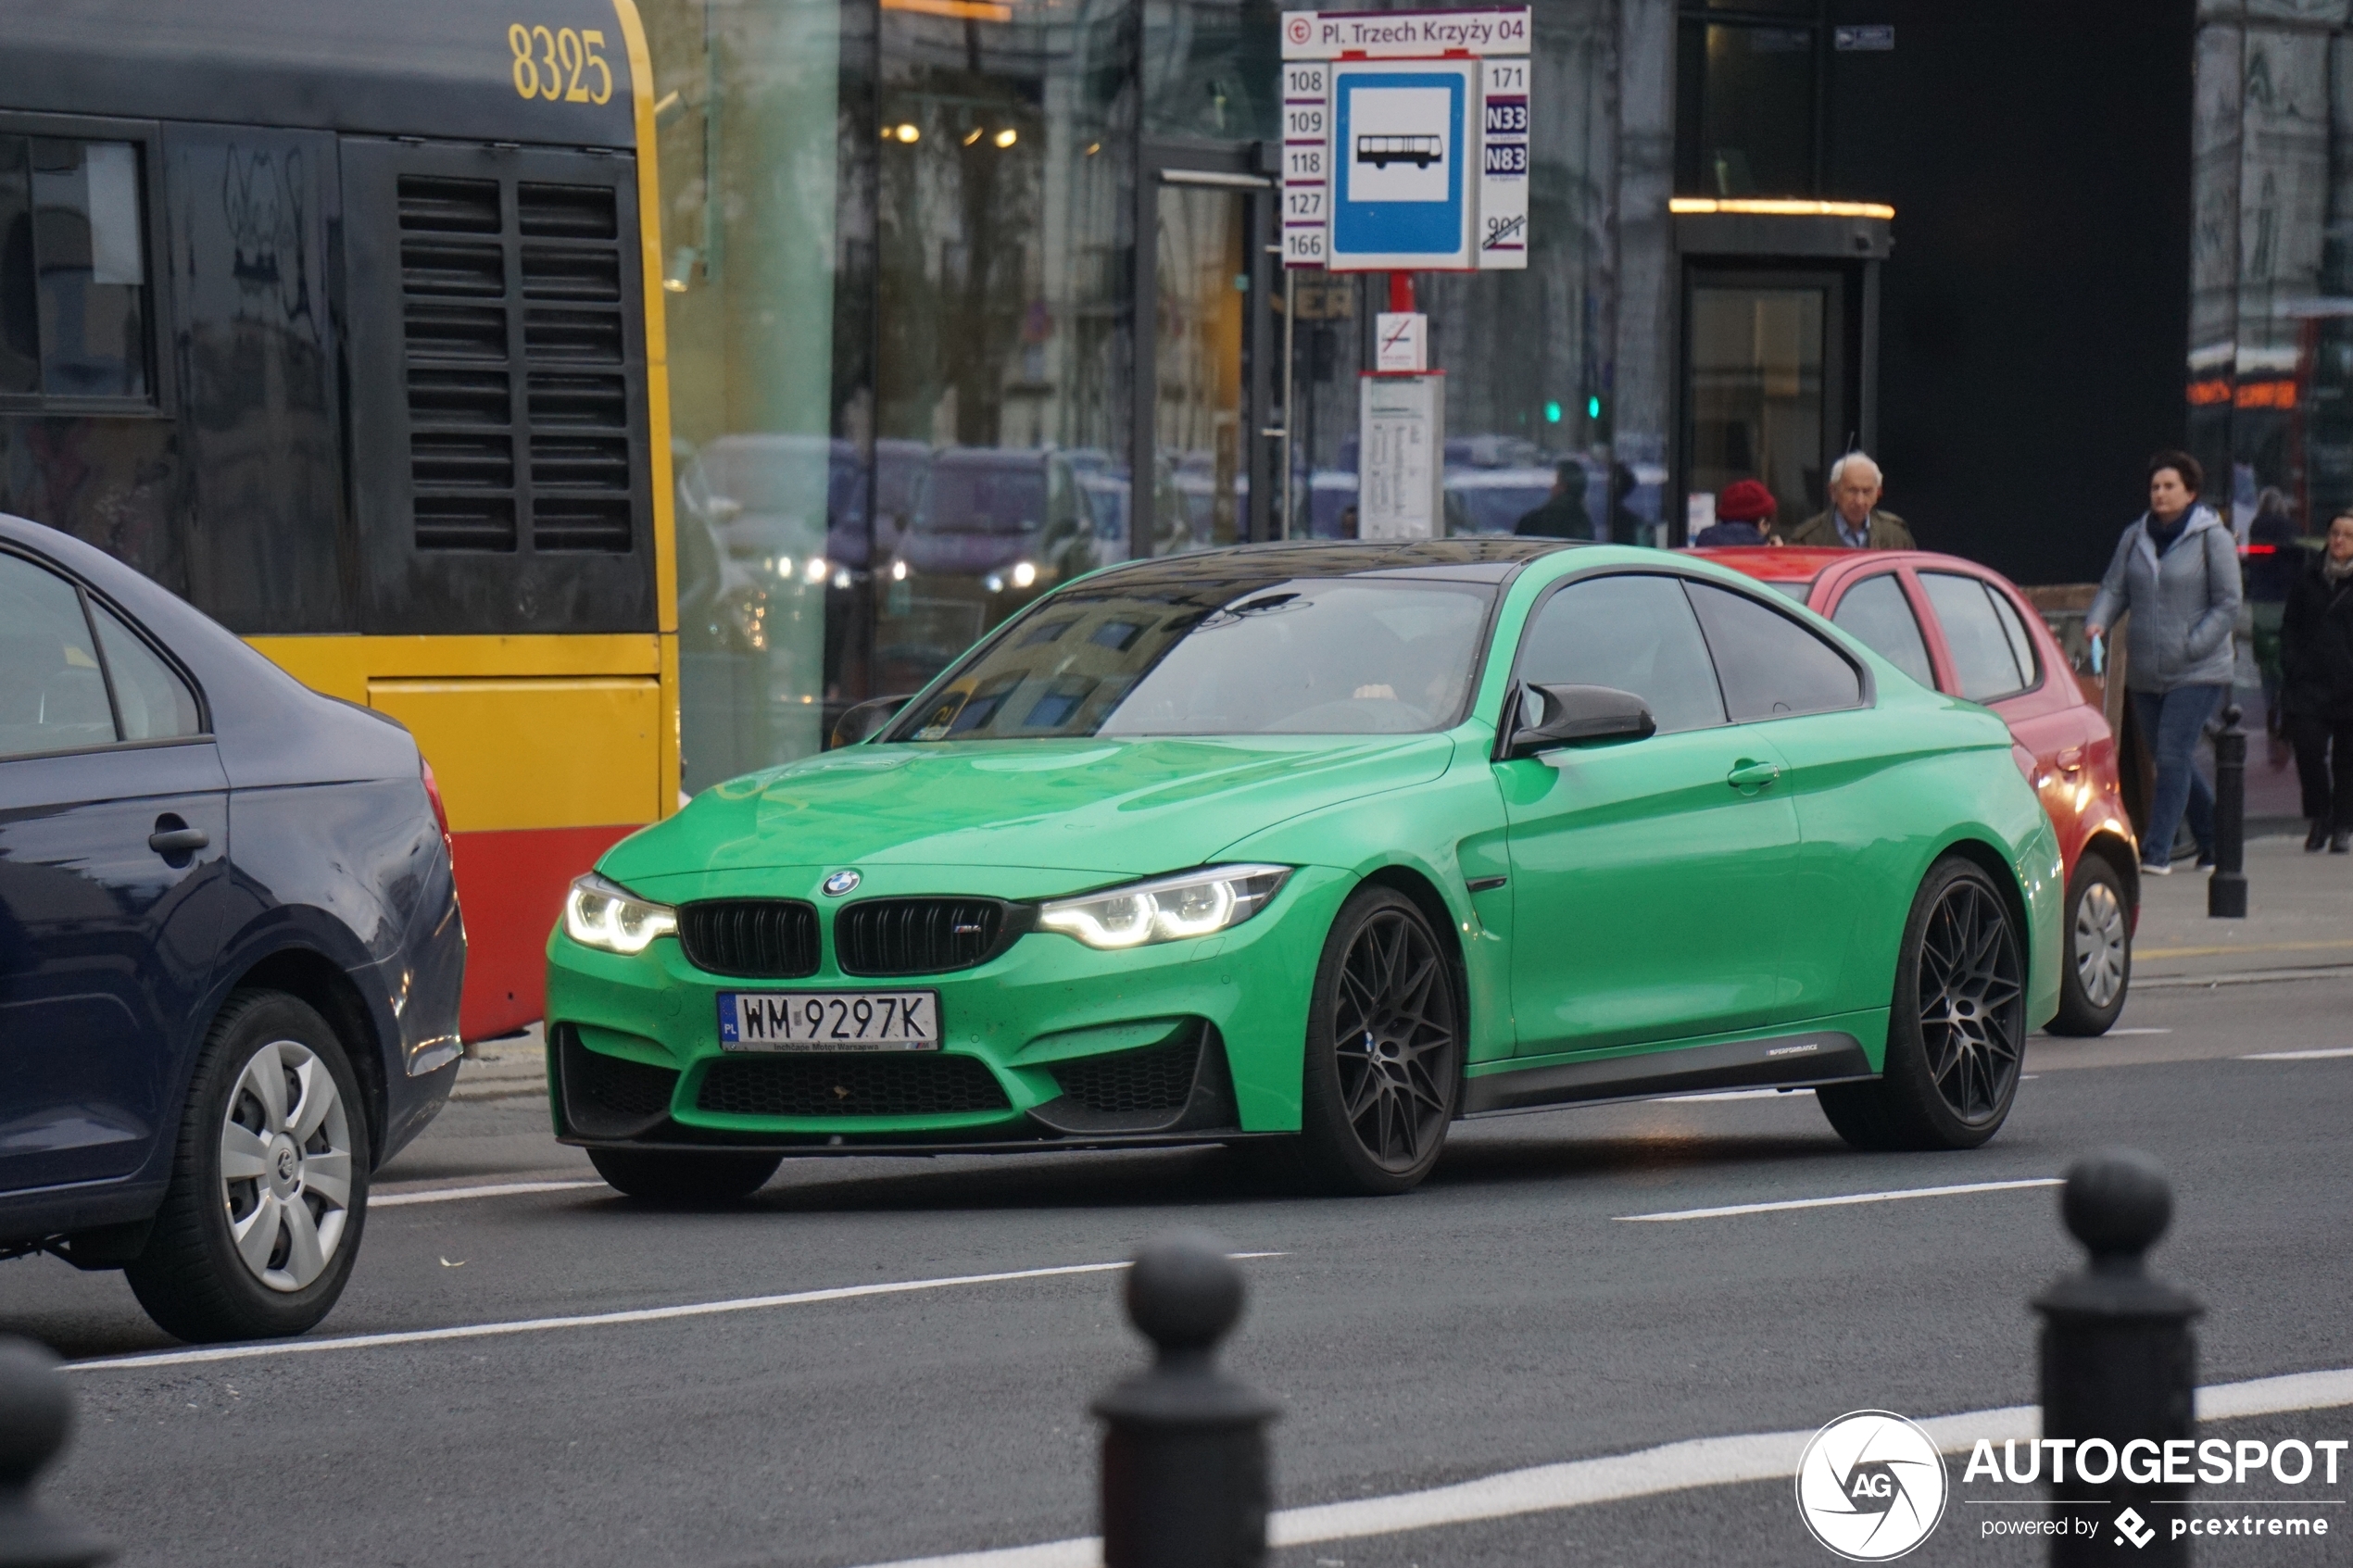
column 73, row 275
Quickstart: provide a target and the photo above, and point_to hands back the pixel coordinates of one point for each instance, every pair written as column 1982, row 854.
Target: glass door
column 1204, row 468
column 1766, row 387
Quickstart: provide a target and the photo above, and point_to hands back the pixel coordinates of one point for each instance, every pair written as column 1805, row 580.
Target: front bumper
column 1050, row 1042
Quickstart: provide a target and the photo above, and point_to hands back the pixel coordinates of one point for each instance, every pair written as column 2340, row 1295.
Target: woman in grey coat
column 2177, row 571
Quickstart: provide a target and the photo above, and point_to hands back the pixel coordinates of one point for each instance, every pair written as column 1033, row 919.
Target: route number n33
column 558, row 64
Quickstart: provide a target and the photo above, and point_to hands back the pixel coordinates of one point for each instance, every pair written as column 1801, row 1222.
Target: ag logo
column 1871, row 1485
column 1299, row 29
column 2132, row 1527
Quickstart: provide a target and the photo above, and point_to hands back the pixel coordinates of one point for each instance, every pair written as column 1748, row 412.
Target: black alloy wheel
column 1384, row 1048
column 1956, row 1034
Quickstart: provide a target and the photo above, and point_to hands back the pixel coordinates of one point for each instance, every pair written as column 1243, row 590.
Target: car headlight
column 603, row 914
column 1166, row 909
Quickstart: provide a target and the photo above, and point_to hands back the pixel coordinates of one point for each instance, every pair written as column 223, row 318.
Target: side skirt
column 1789, row 1062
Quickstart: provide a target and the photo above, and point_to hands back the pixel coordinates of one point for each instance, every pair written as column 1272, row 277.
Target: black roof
column 1483, row 560
column 440, row 68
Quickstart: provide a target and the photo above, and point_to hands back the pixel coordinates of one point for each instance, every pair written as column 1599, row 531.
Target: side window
column 1983, row 656
column 74, row 313
column 53, row 691
column 1771, row 666
column 155, row 704
column 2021, row 644
column 1634, row 633
column 1876, row 614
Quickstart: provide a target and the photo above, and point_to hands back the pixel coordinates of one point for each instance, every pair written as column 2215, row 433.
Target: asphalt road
column 1505, row 1316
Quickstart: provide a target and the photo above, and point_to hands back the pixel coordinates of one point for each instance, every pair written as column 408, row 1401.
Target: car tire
column 683, row 1175
column 1384, row 1065
column 1957, row 1032
column 261, row 1224
column 2098, row 966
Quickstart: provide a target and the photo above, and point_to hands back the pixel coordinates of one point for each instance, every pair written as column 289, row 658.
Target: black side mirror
column 1580, row 716
column 866, row 719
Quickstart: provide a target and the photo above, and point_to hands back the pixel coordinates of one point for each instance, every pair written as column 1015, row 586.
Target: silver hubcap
column 286, row 1166
column 2099, row 944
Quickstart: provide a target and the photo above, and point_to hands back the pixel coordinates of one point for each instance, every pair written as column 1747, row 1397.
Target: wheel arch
column 1996, row 864
column 2111, row 847
column 312, row 978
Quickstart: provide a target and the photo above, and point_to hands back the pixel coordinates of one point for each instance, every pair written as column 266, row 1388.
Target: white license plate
column 829, row 1020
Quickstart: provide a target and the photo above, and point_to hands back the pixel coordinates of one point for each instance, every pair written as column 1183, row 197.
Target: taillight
column 432, row 794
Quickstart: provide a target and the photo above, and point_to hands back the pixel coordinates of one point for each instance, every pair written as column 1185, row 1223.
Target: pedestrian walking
column 1562, row 514
column 2176, row 570
column 2316, row 661
column 1854, row 520
column 1744, row 516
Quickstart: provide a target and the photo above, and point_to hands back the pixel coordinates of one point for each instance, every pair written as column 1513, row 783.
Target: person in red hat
column 1744, row 516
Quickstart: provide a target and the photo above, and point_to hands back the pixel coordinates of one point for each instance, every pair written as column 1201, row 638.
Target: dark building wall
column 2033, row 321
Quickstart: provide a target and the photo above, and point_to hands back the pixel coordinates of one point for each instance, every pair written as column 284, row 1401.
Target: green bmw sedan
column 1319, row 848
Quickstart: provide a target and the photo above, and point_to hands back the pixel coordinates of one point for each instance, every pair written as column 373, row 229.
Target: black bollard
column 1184, row 1481
column 35, row 1415
column 2119, row 1365
column 2226, row 889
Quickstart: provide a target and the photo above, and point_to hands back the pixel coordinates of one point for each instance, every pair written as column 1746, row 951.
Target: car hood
column 1108, row 807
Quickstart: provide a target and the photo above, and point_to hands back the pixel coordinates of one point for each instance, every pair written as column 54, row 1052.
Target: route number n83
column 554, row 65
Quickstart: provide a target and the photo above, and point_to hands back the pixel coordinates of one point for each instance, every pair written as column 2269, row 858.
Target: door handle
column 178, row 841
column 1747, row 774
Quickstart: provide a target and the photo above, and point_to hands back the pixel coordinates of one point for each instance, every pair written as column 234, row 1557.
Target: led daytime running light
column 1167, row 909
column 607, row 916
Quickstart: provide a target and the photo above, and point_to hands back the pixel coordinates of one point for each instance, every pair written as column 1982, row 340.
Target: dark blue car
column 230, row 950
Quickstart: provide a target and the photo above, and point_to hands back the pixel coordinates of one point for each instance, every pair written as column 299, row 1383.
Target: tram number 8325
column 553, row 65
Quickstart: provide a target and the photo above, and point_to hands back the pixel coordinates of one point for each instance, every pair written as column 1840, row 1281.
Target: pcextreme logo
column 1871, row 1485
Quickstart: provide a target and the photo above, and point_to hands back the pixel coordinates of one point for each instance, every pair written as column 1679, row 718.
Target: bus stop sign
column 1406, row 140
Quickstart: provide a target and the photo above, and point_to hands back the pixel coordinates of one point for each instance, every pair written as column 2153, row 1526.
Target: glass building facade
column 968, row 296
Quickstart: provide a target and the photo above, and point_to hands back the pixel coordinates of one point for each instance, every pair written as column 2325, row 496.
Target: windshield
column 1310, row 656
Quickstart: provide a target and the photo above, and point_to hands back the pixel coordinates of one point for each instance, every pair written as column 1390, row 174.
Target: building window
column 75, row 322
column 1748, row 84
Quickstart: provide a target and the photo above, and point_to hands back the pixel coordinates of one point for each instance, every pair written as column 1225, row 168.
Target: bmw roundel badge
column 841, row 883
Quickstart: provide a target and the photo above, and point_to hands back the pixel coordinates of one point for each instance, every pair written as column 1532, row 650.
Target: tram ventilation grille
column 897, row 1084
column 760, row 939
column 917, row 935
column 554, row 470
column 1159, row 1078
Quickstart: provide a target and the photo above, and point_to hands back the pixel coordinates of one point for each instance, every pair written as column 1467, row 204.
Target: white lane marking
column 591, row 1320
column 2114, row 1033
column 2300, row 1056
column 1671, row 1467
column 1843, row 1200
column 451, row 1194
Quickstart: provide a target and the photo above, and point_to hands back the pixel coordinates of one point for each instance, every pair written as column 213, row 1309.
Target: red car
column 1953, row 624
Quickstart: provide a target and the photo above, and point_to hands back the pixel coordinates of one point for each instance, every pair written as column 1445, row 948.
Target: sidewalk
column 2299, row 920
column 512, row 1068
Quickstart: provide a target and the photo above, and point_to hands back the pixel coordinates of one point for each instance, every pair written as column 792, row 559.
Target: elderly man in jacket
column 2177, row 570
column 1854, row 520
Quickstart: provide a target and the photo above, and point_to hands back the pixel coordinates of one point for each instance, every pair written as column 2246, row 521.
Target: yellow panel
column 342, row 666
column 536, row 754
